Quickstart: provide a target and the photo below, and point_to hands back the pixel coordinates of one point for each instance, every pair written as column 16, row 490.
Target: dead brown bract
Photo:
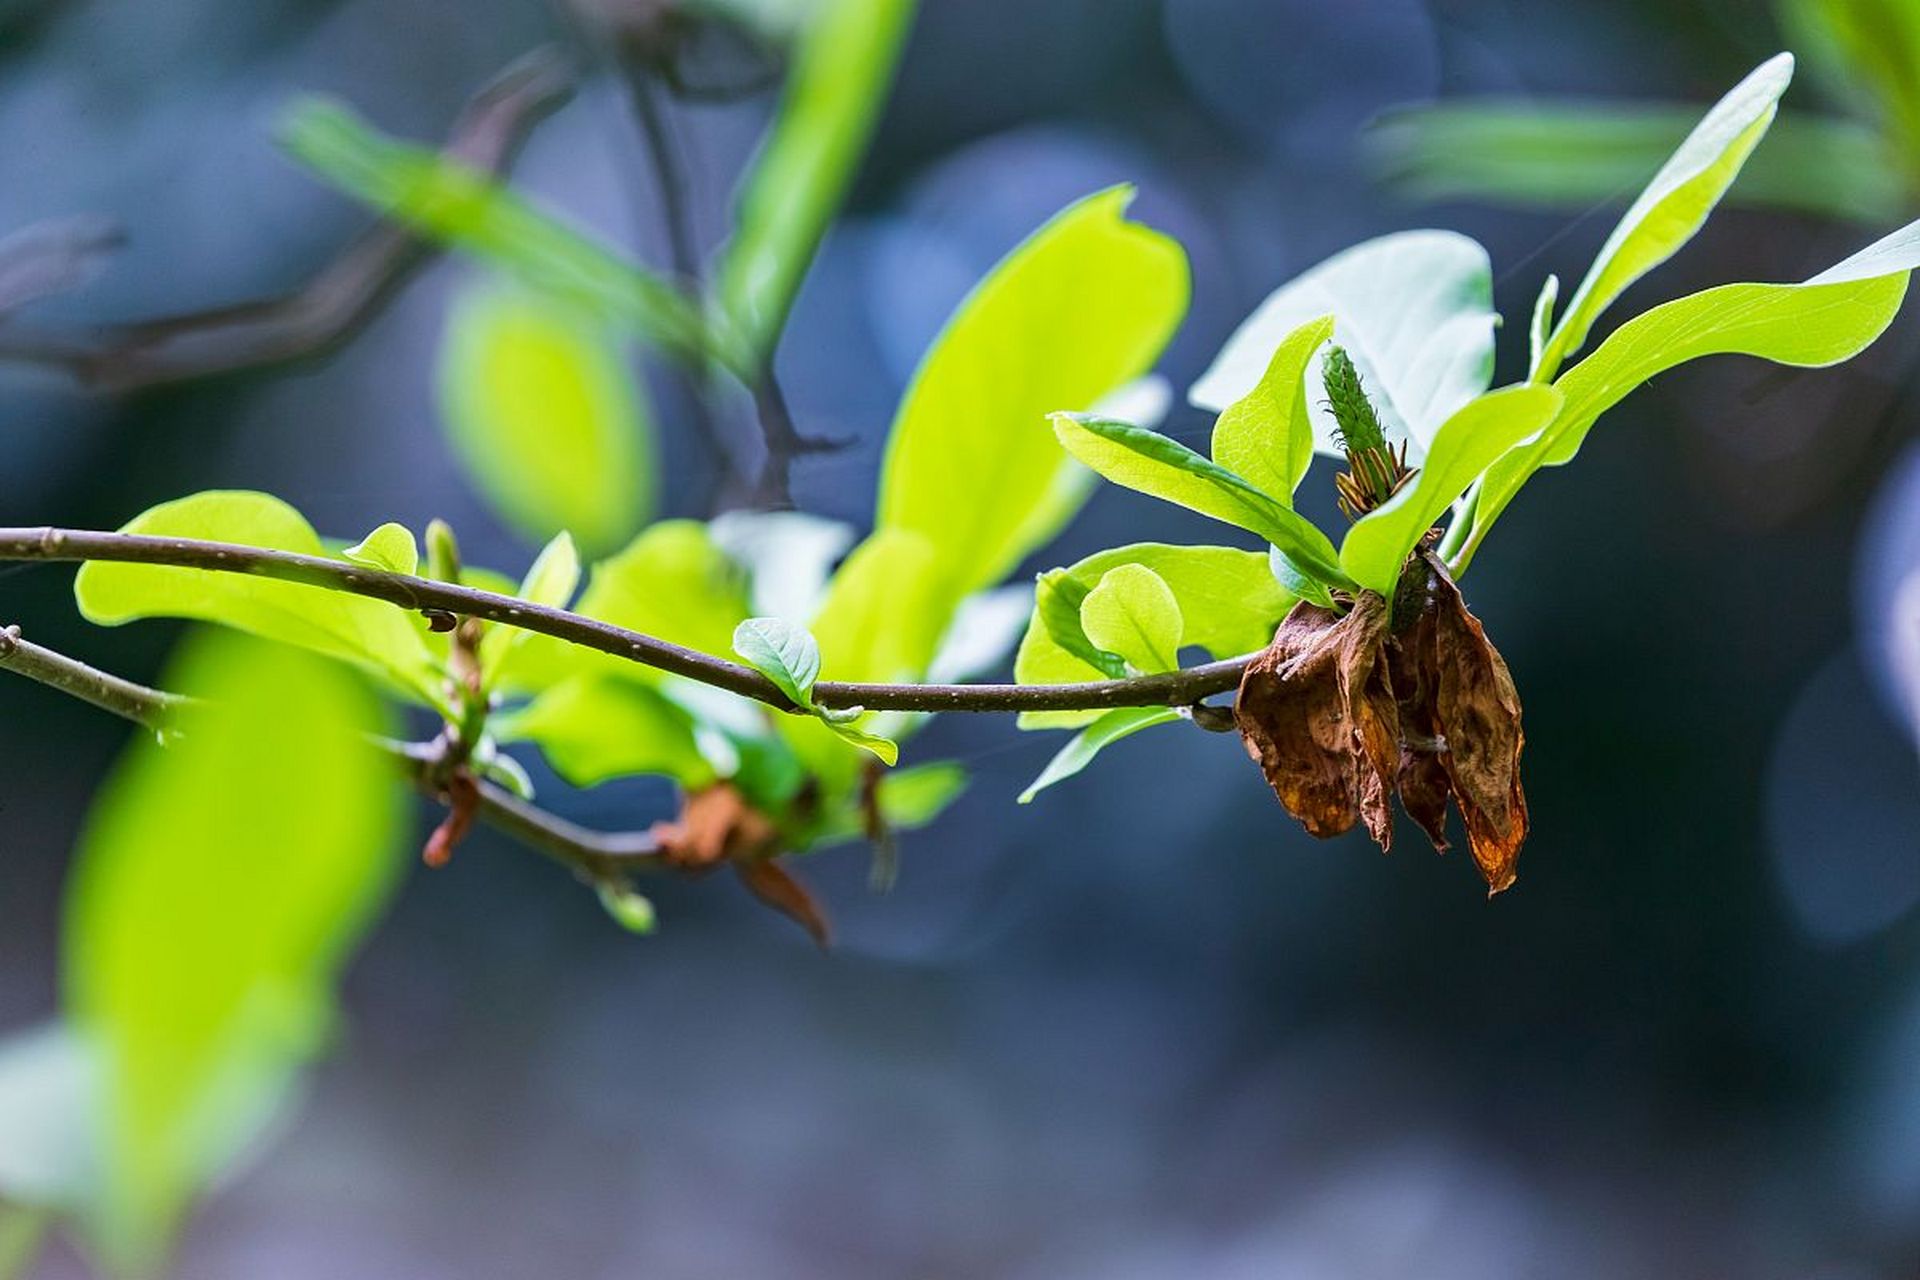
column 1345, row 710
column 717, row 825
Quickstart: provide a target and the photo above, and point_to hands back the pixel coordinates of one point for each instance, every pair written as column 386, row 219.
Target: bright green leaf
column 594, row 728
column 783, row 653
column 1674, row 204
column 1266, row 436
column 1076, row 312
column 908, row 799
column 1229, row 605
column 1163, row 468
column 220, row 884
column 1096, row 737
column 1869, row 51
column 1132, row 611
column 1541, row 326
column 1415, row 312
column 390, row 548
column 1572, row 155
column 372, row 634
column 547, row 418
column 449, row 201
column 881, row 746
column 836, row 84
column 1829, row 318
column 879, row 620
column 1467, row 444
column 630, row 910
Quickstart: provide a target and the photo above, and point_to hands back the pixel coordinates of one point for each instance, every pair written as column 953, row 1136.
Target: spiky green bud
column 1352, row 412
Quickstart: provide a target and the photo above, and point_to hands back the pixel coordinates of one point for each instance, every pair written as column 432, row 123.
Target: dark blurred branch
column 344, row 297
column 599, row 856
column 1173, row 688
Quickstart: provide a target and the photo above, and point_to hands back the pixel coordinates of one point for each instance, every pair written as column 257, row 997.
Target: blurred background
column 1144, row 1027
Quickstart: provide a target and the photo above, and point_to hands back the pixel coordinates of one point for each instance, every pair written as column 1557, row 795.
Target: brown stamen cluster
column 1345, row 710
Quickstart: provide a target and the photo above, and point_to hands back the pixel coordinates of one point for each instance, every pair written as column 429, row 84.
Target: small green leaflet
column 630, row 910
column 389, row 548
column 1132, row 612
column 1674, row 205
column 1096, row 737
column 595, row 728
column 1266, row 436
column 790, row 657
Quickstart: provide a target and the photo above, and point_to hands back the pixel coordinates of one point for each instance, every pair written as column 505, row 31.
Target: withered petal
column 1477, row 711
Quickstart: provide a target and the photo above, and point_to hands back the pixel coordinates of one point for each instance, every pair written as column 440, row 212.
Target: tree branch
column 598, row 856
column 1173, row 688
column 346, row 294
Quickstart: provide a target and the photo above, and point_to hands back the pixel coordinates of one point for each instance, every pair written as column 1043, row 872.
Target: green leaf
column 1830, row 318
column 376, row 636
column 1089, row 742
column 1266, row 436
column 881, row 746
column 1415, row 312
column 1467, row 444
column 630, row 910
column 551, row 581
column 1572, row 155
column 1163, row 468
column 1132, row 612
column 446, row 200
column 389, row 548
column 219, row 886
column 881, row 619
column 783, row 653
column 908, row 799
column 1674, row 204
column 595, row 728
column 1869, row 51
column 1076, row 312
column 670, row 582
column 835, row 88
column 546, row 417
column 1229, row 605
column 1541, row 325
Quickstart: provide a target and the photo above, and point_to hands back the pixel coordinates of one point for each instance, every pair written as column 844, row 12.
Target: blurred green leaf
column 1166, row 469
column 219, row 886
column 784, row 653
column 1091, row 741
column 1229, row 605
column 788, row 556
column 1869, row 51
column 1076, row 312
column 837, row 83
column 630, row 910
column 1674, row 204
column 1415, row 312
column 374, row 635
column 550, row 581
column 982, row 634
column 594, row 728
column 908, row 800
column 1830, row 318
column 547, row 418
column 448, row 201
column 1572, row 155
column 1266, row 436
column 1467, row 444
column 389, row 548
column 1132, row 611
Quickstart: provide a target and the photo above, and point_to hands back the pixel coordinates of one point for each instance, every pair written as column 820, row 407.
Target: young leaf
column 1415, row 312
column 848, row 730
column 1266, row 436
column 369, row 633
column 390, row 548
column 1674, row 205
column 1830, row 318
column 1229, row 605
column 1541, row 326
column 547, row 418
column 1132, row 612
column 783, row 653
column 1153, row 464
column 595, row 728
column 1379, row 542
column 838, row 81
column 1572, row 155
column 969, row 466
column 1089, row 742
column 551, row 581
column 451, row 202
column 220, row 883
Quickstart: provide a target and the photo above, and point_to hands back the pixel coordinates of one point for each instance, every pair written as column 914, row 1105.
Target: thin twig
column 598, row 856
column 1173, row 688
column 336, row 303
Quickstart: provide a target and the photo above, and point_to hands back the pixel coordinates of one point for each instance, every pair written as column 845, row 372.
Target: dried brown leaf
column 1477, row 712
column 780, row 889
